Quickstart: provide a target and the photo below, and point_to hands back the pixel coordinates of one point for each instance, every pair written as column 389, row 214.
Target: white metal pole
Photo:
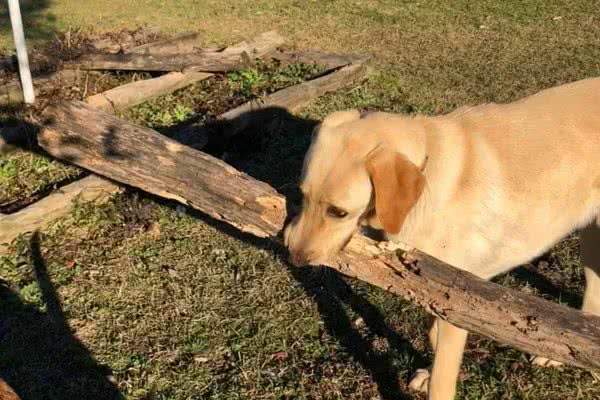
column 17, row 28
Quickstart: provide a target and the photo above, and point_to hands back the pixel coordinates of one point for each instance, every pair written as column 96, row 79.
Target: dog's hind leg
column 590, row 260
column 589, row 242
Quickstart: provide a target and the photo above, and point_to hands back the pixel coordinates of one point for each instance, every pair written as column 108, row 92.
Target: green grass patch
column 163, row 305
column 24, row 176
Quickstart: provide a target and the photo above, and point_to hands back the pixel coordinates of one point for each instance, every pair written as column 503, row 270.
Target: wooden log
column 142, row 158
column 54, row 206
column 207, row 62
column 134, row 93
column 81, row 134
column 113, row 100
column 290, row 99
column 131, row 94
column 325, row 59
column 524, row 321
column 124, row 41
column 257, row 47
column 92, row 188
column 178, row 43
column 227, row 60
column 299, row 95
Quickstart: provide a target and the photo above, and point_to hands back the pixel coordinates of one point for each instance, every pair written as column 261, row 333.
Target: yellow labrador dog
column 484, row 188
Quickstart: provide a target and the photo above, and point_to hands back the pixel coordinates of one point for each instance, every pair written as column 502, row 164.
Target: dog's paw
column 420, row 381
column 544, row 362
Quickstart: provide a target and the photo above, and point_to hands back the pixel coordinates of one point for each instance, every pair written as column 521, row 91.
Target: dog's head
column 350, row 178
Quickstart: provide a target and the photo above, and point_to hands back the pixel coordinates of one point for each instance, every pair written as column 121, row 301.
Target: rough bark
column 207, row 62
column 60, row 204
column 134, row 93
column 227, row 60
column 124, row 41
column 526, row 322
column 131, row 94
column 142, row 158
column 325, row 59
column 178, row 43
column 257, row 47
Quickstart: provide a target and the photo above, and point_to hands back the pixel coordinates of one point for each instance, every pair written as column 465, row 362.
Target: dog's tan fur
column 483, row 188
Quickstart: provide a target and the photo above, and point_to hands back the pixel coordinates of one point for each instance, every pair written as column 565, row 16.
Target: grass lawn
column 159, row 303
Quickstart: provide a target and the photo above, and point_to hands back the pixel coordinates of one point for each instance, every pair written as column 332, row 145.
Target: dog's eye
column 336, row 212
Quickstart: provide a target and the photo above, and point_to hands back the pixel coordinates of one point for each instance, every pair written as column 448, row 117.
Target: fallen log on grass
column 134, row 93
column 58, row 205
column 299, row 95
column 12, row 92
column 127, row 152
column 54, row 206
column 322, row 58
column 262, row 44
column 112, row 43
column 290, row 99
column 124, row 40
column 206, row 62
column 211, row 61
column 178, row 43
column 143, row 158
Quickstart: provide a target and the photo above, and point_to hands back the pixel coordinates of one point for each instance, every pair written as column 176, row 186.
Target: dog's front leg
column 448, row 358
column 448, row 343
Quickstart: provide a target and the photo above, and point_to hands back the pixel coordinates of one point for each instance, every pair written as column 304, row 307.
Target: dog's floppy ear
column 398, row 184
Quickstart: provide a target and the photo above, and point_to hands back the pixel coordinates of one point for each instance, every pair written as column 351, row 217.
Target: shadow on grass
column 333, row 296
column 38, row 23
column 547, row 288
column 40, row 358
